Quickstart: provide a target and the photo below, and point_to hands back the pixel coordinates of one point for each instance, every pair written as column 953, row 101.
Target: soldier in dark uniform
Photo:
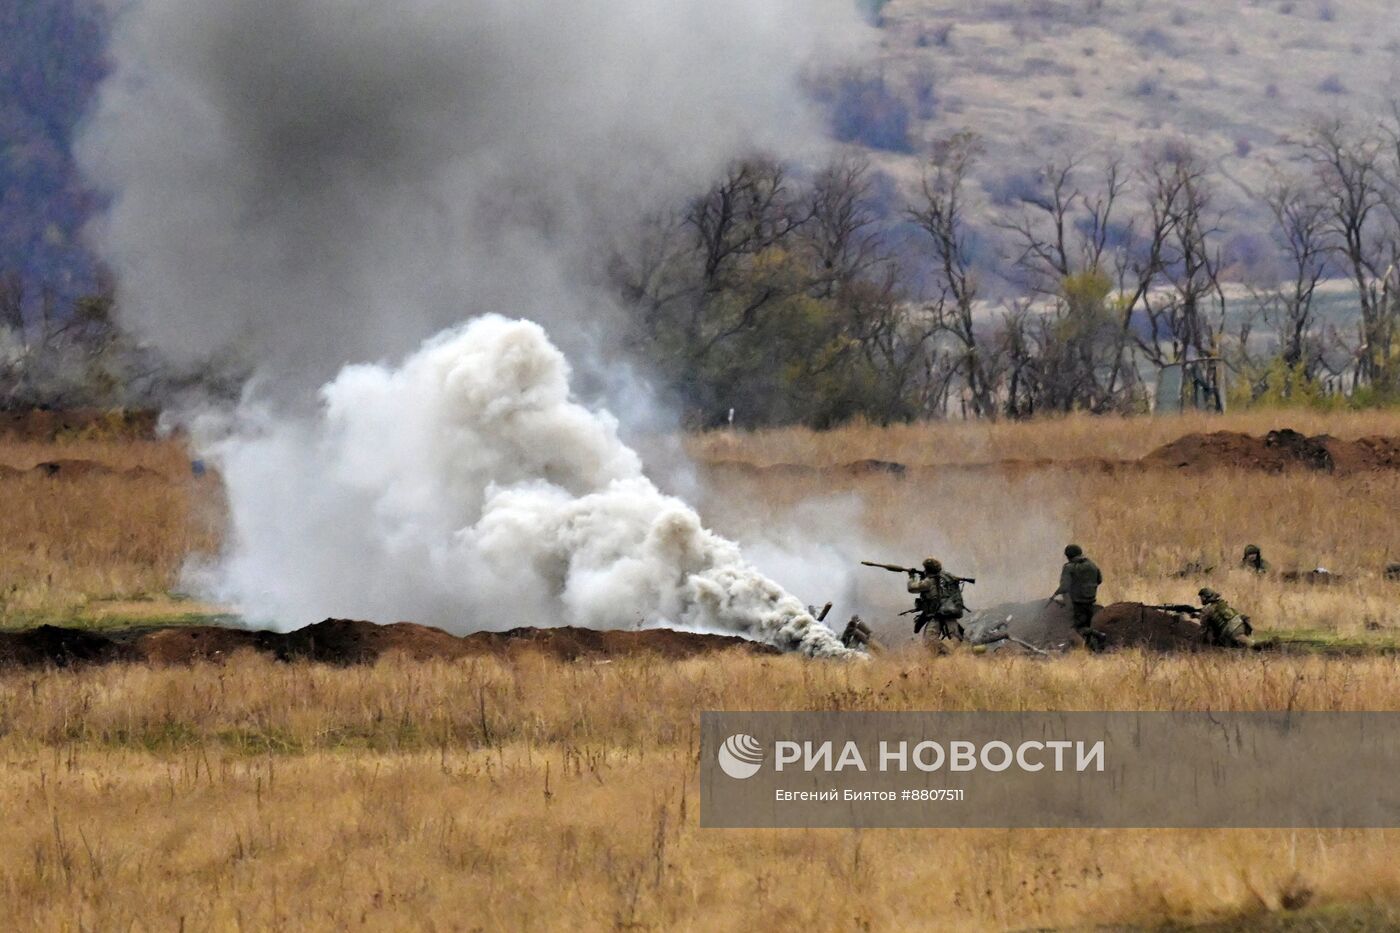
column 938, row 598
column 1079, row 583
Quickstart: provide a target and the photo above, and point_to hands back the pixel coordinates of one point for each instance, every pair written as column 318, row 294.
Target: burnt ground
column 346, row 642
column 1049, row 628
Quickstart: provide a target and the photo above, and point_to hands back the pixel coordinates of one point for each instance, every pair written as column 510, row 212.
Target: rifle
column 895, row 568
column 1175, row 607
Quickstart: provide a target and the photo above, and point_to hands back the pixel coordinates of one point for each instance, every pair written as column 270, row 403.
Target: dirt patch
column 345, row 642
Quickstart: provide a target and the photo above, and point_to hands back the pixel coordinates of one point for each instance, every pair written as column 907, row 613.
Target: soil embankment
column 1048, row 627
column 346, row 642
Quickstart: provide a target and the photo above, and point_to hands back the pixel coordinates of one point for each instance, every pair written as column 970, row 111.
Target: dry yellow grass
column 528, row 794
column 1064, row 438
column 65, row 543
column 541, row 795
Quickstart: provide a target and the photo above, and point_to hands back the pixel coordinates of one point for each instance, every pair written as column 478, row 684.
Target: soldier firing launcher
column 894, row 568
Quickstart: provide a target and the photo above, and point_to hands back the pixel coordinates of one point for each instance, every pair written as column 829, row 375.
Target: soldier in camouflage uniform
column 1079, row 583
column 1222, row 625
column 1254, row 559
column 937, row 598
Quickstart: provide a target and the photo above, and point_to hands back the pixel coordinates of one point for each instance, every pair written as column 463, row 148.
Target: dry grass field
column 531, row 794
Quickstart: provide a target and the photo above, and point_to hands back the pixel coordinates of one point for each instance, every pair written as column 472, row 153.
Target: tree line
column 805, row 299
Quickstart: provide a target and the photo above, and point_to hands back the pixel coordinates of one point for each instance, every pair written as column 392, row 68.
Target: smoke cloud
column 314, row 183
column 468, row 489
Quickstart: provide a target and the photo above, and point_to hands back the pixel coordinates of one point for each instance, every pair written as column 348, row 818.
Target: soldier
column 1254, row 560
column 938, row 598
column 1222, row 625
column 1079, row 582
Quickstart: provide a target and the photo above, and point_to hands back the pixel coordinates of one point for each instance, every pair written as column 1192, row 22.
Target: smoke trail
column 466, row 488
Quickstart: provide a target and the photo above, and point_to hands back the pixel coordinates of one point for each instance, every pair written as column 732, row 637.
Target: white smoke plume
column 468, row 489
column 314, row 183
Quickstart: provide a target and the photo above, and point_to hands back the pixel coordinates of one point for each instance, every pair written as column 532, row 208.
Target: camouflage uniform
column 1223, row 626
column 1254, row 560
column 938, row 598
column 1079, row 583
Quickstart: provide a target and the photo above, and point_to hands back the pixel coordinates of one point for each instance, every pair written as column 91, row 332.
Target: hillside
column 1050, row 78
column 1038, row 80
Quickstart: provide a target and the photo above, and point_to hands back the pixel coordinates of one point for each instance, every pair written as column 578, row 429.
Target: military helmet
column 1074, row 551
column 1251, row 550
column 933, row 565
column 1208, row 595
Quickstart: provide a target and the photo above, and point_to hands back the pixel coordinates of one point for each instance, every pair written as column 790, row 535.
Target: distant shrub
column 862, row 109
column 925, row 95
column 872, row 10
column 1332, row 84
column 1326, row 12
column 1243, row 147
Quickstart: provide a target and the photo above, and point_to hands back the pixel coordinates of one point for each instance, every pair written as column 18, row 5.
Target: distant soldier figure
column 1254, row 559
column 858, row 636
column 1079, row 583
column 1222, row 625
column 938, row 598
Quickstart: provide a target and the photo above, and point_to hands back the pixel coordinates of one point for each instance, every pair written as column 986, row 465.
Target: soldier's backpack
column 950, row 602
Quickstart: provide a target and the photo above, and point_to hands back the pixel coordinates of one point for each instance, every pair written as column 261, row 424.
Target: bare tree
column 940, row 213
column 1300, row 232
column 1350, row 169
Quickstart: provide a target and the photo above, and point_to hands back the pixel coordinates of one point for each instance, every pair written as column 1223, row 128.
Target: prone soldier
column 1221, row 624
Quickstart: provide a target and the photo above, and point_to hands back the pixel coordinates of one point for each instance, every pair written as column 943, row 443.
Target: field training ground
column 538, row 790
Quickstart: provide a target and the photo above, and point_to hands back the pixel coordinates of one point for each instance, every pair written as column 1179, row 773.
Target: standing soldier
column 1222, row 625
column 1254, row 560
column 938, row 598
column 1079, row 583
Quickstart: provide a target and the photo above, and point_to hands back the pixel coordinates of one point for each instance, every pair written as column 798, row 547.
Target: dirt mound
column 345, row 642
column 572, row 644
column 1133, row 625
column 49, row 645
column 1277, row 452
column 1049, row 627
column 46, row 425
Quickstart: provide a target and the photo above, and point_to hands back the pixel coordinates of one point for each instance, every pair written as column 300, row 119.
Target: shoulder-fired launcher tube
column 895, row 568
